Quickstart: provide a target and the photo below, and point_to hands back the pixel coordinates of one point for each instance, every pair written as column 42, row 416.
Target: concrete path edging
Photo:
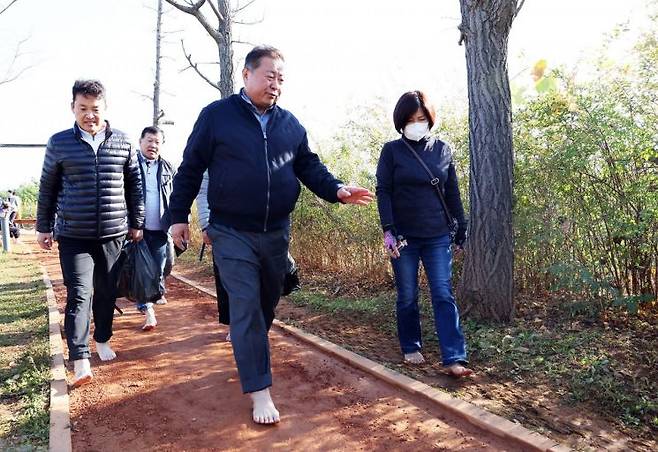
column 471, row 413
column 60, row 422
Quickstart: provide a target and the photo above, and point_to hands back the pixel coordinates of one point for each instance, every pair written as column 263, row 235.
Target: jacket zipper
column 98, row 208
column 98, row 201
column 267, row 168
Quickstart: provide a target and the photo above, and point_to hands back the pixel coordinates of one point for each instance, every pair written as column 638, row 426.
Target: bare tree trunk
column 225, row 48
column 487, row 285
column 156, row 83
column 218, row 25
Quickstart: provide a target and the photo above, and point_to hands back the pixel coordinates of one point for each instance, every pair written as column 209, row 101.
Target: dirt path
column 177, row 388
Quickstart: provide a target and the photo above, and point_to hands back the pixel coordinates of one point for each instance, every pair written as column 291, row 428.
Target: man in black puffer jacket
column 90, row 195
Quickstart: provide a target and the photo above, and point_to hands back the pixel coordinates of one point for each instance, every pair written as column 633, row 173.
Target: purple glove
column 390, row 242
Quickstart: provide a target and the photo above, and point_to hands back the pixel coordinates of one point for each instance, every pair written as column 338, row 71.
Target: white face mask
column 416, row 130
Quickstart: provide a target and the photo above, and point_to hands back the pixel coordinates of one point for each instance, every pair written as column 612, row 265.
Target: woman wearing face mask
column 416, row 228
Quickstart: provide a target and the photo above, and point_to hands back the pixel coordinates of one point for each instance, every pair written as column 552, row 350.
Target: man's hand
column 136, row 234
column 180, row 233
column 354, row 195
column 206, row 239
column 45, row 240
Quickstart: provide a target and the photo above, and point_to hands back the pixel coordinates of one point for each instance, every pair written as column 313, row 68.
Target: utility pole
column 157, row 114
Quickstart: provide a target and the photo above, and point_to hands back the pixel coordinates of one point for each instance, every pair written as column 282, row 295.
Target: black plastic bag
column 169, row 263
column 139, row 274
column 291, row 279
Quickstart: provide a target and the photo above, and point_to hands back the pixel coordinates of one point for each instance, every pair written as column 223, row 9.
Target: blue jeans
column 156, row 241
column 436, row 256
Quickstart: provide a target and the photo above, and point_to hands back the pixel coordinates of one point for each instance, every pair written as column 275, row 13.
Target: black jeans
column 251, row 265
column 90, row 273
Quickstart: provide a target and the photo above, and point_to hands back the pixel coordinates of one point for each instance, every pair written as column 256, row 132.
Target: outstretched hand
column 354, row 195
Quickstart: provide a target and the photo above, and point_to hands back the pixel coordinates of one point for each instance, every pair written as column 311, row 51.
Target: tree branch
column 462, row 34
column 240, row 8
column 7, row 7
column 518, row 8
column 255, row 22
column 194, row 10
column 216, row 11
column 191, row 9
column 17, row 54
column 237, row 41
column 196, row 68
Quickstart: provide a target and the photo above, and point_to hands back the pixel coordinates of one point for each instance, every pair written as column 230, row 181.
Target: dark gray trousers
column 90, row 275
column 252, row 266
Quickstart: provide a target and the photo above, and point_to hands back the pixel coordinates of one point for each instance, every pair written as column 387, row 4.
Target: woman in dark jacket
column 416, row 228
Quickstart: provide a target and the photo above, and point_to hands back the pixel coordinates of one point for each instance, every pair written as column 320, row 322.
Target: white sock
column 151, row 322
column 82, row 370
column 105, row 352
column 414, row 358
column 264, row 411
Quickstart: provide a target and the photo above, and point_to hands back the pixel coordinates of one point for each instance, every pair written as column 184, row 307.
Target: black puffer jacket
column 95, row 195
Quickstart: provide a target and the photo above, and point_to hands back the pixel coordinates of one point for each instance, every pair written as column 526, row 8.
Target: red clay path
column 176, row 388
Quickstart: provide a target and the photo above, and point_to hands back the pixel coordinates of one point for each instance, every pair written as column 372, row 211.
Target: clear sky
column 339, row 54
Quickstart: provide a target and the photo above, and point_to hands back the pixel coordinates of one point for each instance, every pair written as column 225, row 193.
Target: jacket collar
column 247, row 105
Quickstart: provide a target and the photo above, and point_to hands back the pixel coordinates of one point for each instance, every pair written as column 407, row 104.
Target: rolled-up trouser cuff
column 451, row 361
column 256, row 384
column 74, row 356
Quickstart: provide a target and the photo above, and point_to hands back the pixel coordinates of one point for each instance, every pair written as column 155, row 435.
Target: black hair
column 152, row 130
column 408, row 104
column 91, row 88
column 252, row 60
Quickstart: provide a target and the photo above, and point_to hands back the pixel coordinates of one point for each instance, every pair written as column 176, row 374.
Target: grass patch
column 580, row 364
column 590, row 364
column 375, row 306
column 24, row 355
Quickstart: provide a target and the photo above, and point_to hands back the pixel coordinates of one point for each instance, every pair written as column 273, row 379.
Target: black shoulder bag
column 435, row 181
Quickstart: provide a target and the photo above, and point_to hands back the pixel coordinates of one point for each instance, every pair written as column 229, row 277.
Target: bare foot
column 264, row 411
column 83, row 374
column 414, row 358
column 151, row 322
column 458, row 371
column 105, row 352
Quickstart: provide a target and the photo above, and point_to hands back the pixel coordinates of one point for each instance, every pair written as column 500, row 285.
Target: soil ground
column 534, row 400
column 176, row 388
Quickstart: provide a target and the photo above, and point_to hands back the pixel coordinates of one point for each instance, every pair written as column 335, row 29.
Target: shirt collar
column 147, row 161
column 87, row 136
column 246, row 98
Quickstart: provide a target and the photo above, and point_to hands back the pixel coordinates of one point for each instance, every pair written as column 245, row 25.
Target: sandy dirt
column 177, row 388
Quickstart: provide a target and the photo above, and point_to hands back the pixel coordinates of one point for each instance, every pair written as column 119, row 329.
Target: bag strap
column 435, row 181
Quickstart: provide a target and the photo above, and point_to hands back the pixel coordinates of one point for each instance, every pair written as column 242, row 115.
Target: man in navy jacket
column 255, row 153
